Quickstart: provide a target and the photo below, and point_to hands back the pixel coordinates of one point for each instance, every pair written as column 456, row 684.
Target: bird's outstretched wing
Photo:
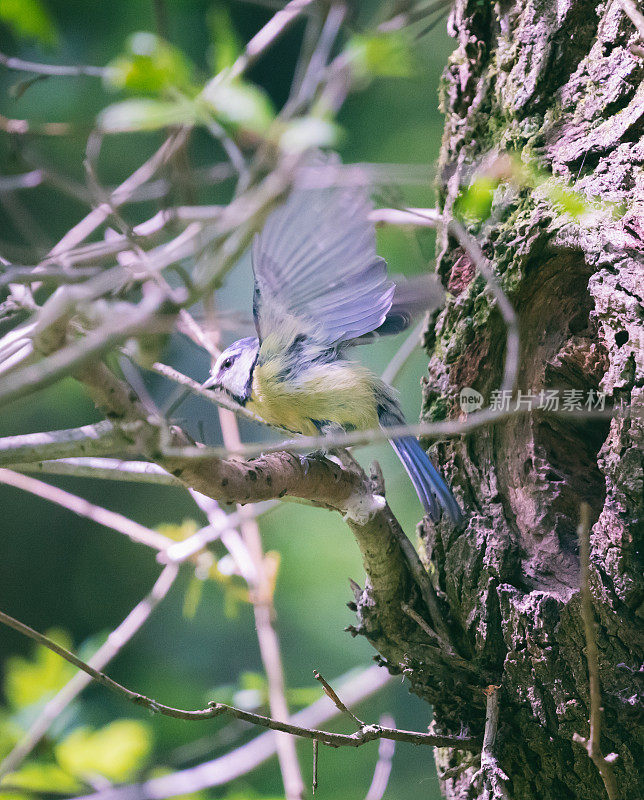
column 316, row 268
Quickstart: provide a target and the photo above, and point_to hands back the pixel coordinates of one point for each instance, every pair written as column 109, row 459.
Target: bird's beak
column 209, row 383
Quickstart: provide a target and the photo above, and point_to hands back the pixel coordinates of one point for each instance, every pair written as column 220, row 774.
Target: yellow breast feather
column 342, row 393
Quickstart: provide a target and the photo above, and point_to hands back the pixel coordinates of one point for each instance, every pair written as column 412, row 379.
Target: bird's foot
column 307, row 459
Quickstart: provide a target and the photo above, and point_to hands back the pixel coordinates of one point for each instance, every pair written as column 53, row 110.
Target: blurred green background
column 57, row 570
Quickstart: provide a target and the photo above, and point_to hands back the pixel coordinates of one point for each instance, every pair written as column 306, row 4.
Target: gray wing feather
column 316, row 261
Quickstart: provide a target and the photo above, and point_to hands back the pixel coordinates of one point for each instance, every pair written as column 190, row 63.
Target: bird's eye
column 227, row 364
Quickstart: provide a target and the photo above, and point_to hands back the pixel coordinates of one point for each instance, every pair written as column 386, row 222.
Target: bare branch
column 11, row 62
column 244, row 759
column 278, row 23
column 366, row 734
column 493, row 778
column 445, row 428
column 121, row 194
column 219, row 398
column 115, row 642
column 111, row 469
column 146, row 317
column 330, row 693
column 25, row 180
column 110, row 519
column 473, row 249
column 403, row 354
column 181, row 551
column 635, row 15
column 49, row 275
column 592, row 744
column 412, row 217
column 98, row 439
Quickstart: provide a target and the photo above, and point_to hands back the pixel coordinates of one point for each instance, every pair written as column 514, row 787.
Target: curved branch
column 366, row 733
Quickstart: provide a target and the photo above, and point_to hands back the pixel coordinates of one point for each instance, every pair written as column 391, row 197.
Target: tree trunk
column 559, row 85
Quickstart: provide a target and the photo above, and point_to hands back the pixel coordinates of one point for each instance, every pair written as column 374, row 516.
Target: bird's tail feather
column 430, row 487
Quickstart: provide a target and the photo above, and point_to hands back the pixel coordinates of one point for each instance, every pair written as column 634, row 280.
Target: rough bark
column 558, row 84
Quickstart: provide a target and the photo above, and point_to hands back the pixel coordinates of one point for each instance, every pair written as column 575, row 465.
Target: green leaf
column 226, row 45
column 475, row 202
column 10, row 733
column 178, row 532
column 192, row 597
column 145, row 114
column 238, row 104
column 303, row 696
column 29, row 19
column 116, row 751
column 150, row 65
column 10, row 795
column 381, row 55
column 253, row 680
column 308, row 132
column 27, row 681
column 39, row 777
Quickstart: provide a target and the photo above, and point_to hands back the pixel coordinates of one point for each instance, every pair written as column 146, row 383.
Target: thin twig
column 214, row 709
column 278, row 23
column 89, row 440
column 592, row 744
column 446, row 646
column 83, row 508
column 412, row 217
column 180, row 551
column 403, row 354
column 196, row 388
column 493, row 777
column 242, row 760
column 445, row 428
column 20, row 64
column 473, row 249
column 330, row 692
column 111, row 469
column 142, row 318
column 317, row 63
column 121, row 194
column 314, row 783
column 115, row 642
column 635, row 15
column 52, row 276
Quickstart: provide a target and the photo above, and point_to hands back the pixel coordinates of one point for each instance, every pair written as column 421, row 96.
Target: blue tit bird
column 320, row 288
